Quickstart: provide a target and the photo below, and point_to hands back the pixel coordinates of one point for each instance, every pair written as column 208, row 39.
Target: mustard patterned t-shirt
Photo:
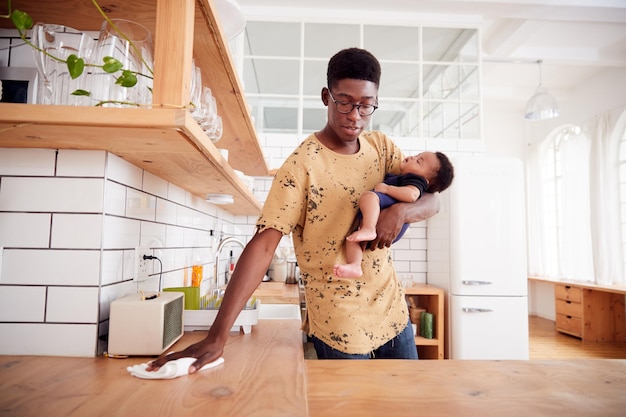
column 315, row 196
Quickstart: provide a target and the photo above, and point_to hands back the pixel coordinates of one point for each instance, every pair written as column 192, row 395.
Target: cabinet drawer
column 568, row 292
column 570, row 325
column 569, row 308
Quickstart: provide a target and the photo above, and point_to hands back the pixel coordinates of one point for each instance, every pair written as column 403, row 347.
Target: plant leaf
column 127, row 79
column 111, row 64
column 75, row 65
column 21, row 20
column 80, row 92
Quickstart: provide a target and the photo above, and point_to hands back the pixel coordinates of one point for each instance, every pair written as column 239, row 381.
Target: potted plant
column 76, row 64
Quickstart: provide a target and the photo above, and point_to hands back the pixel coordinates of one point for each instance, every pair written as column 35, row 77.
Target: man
column 315, row 196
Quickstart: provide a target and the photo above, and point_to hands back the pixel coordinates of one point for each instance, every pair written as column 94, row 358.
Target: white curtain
column 540, row 259
column 587, row 200
column 575, row 257
column 605, row 215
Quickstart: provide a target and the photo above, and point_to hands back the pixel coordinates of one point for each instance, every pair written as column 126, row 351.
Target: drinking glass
column 195, row 90
column 216, row 129
column 209, row 106
column 55, row 85
column 130, row 43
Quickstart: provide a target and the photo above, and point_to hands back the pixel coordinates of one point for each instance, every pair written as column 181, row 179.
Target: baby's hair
column 444, row 176
column 354, row 63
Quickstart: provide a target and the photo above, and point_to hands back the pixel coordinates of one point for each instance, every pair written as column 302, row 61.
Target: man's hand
column 204, row 351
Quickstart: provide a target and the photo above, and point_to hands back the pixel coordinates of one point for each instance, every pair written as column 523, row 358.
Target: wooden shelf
column 432, row 300
column 422, row 341
column 164, row 139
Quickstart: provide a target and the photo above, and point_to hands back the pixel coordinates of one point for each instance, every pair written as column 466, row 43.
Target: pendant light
column 541, row 106
column 231, row 18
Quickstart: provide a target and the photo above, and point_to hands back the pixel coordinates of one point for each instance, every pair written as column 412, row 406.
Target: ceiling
column 575, row 39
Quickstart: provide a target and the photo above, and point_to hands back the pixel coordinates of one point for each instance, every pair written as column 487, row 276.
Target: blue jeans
column 400, row 347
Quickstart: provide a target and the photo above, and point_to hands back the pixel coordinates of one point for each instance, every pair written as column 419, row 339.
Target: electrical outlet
column 142, row 266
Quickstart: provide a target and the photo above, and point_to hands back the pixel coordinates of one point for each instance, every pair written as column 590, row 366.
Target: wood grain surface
column 263, row 375
column 467, row 388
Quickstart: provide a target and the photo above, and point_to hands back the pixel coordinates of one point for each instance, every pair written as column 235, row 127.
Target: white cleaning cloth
column 172, row 369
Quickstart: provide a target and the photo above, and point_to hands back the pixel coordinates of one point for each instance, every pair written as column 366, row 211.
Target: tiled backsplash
column 69, row 223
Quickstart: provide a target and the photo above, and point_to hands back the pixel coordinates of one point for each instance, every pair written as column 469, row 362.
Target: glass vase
column 56, row 43
column 131, row 44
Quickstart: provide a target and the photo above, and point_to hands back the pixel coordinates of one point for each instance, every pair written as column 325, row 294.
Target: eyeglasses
column 345, row 107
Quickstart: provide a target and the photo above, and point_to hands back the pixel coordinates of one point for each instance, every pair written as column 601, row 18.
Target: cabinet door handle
column 476, row 310
column 466, row 282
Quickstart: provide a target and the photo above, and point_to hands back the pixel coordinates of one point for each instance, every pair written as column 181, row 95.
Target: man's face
column 348, row 126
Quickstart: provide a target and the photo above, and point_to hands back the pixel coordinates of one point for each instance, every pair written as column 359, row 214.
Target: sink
column 279, row 311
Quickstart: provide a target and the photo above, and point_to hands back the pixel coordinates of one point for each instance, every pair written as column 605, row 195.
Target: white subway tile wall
column 31, row 162
column 83, row 307
column 48, row 339
column 71, row 231
column 13, row 307
column 69, row 224
column 75, row 163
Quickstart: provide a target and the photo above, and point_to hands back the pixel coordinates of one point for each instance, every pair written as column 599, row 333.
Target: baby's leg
column 354, row 256
column 362, row 235
column 369, row 203
column 348, row 270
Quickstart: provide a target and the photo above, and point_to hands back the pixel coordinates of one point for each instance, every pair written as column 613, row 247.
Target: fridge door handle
column 467, row 282
column 476, row 310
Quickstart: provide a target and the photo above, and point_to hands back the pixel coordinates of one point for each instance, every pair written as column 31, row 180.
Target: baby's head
column 434, row 166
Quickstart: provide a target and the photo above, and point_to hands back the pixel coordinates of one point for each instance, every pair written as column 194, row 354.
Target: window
column 561, row 233
column 429, row 86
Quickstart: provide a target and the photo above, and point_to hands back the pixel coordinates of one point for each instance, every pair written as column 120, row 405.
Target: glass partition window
column 430, row 85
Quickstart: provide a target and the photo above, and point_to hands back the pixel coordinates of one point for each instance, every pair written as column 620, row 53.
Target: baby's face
column 425, row 164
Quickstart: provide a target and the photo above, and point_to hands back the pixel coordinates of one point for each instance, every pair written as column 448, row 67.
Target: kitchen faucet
column 218, row 251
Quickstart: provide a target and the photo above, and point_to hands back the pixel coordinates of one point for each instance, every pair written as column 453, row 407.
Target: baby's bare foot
column 348, row 271
column 362, row 235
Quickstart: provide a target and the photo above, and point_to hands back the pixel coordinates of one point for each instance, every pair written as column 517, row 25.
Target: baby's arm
column 405, row 194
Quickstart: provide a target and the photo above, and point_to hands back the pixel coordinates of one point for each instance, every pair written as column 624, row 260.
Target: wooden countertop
column 467, row 388
column 615, row 288
column 278, row 293
column 263, row 375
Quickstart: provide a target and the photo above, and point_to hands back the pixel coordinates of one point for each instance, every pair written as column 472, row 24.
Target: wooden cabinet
column 592, row 313
column 569, row 310
column 430, row 299
column 163, row 139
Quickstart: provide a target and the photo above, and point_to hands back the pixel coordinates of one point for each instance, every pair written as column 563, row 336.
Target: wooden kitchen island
column 265, row 374
column 450, row 388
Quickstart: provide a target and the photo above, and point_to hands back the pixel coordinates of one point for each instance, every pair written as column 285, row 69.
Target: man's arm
column 251, row 268
column 392, row 218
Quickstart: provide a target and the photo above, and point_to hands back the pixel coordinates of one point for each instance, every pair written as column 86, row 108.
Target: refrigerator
column 477, row 254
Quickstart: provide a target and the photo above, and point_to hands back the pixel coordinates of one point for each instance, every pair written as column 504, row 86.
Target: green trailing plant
column 75, row 64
